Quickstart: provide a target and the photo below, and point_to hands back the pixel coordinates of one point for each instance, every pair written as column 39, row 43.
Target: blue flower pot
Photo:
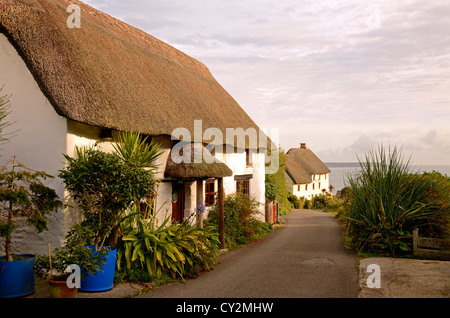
column 17, row 277
column 104, row 279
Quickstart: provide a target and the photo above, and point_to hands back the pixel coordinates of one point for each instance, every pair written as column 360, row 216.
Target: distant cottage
column 75, row 87
column 306, row 175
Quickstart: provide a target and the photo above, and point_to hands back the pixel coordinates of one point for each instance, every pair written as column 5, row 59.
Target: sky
column 341, row 76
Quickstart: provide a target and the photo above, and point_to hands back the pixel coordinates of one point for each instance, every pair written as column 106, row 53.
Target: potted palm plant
column 23, row 198
column 104, row 185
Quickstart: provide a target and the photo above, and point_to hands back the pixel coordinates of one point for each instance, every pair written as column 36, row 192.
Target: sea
column 341, row 170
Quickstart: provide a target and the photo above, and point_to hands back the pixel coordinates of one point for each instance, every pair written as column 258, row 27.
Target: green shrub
column 437, row 195
column 277, row 182
column 271, row 191
column 104, row 186
column 307, row 204
column 387, row 199
column 295, row 201
column 319, row 202
column 240, row 223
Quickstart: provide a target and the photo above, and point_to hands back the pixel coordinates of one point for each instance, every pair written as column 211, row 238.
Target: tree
column 24, row 196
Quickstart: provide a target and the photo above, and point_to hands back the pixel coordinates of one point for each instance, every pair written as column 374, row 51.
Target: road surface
column 303, row 258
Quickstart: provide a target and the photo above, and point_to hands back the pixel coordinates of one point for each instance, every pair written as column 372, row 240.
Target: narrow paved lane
column 305, row 257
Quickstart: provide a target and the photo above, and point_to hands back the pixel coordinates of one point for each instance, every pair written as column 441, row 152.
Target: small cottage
column 77, row 86
column 306, row 175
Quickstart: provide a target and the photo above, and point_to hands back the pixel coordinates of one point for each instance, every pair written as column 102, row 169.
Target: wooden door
column 177, row 201
column 274, row 213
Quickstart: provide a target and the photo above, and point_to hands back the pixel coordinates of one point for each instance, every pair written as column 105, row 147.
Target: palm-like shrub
column 175, row 250
column 386, row 198
column 135, row 149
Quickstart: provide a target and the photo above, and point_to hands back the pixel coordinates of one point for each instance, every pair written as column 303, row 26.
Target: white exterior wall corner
column 39, row 142
column 237, row 163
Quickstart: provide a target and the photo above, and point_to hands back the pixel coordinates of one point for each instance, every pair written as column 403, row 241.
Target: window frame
column 208, row 193
column 244, row 185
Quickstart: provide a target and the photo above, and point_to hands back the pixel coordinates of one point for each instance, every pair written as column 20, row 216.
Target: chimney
column 303, row 145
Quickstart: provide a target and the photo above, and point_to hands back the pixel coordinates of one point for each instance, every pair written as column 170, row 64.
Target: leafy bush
column 104, row 185
column 240, row 223
column 437, row 195
column 74, row 251
column 319, row 202
column 271, row 191
column 295, row 201
column 277, row 183
column 307, row 204
column 387, row 200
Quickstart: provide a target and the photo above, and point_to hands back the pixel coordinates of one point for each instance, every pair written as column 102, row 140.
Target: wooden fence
column 430, row 248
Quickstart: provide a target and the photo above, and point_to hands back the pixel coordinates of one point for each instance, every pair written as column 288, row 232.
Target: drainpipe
column 221, row 214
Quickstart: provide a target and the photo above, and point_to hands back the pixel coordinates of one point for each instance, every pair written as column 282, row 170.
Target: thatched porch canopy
column 112, row 75
column 188, row 168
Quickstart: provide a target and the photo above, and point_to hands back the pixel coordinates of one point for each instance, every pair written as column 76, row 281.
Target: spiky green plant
column 167, row 248
column 134, row 148
column 390, row 199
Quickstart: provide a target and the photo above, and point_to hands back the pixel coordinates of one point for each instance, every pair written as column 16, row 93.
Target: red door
column 274, row 213
column 177, row 201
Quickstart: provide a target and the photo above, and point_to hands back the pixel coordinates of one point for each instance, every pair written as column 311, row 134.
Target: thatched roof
column 209, row 167
column 302, row 163
column 112, row 75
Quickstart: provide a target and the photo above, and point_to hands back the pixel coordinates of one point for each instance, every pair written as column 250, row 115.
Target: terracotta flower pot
column 59, row 289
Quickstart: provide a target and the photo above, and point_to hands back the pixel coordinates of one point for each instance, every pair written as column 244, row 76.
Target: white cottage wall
column 39, row 142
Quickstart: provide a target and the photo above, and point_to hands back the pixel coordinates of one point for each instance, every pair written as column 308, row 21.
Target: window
column 298, row 187
column 247, row 158
column 209, row 192
column 106, row 134
column 306, row 187
column 243, row 185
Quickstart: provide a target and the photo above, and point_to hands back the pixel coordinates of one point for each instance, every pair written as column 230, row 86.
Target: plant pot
column 104, row 279
column 17, row 277
column 59, row 289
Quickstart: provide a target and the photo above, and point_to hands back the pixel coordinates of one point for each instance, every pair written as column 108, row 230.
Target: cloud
column 316, row 70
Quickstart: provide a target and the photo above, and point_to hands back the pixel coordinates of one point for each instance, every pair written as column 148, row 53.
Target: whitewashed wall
column 39, row 143
column 236, row 161
column 318, row 182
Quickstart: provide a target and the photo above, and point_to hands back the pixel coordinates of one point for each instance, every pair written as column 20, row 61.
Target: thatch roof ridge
column 112, row 75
